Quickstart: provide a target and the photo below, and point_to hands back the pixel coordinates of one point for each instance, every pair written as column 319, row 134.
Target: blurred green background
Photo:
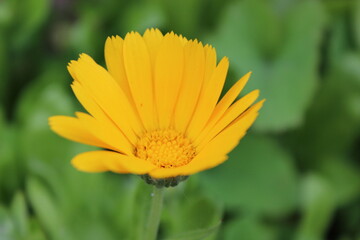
column 296, row 175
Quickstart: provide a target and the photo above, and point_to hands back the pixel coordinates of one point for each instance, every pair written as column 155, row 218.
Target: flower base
column 163, row 182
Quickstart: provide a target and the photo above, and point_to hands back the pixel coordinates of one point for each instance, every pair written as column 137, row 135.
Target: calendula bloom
column 156, row 111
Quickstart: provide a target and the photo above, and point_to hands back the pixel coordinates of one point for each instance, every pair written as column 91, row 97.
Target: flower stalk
column 153, row 222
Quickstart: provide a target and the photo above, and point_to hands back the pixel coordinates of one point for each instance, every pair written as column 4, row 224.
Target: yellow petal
column 182, row 39
column 89, row 103
column 106, row 133
column 153, row 39
column 115, row 62
column 182, row 171
column 101, row 161
column 192, row 81
column 93, row 108
column 107, row 94
column 114, row 56
column 228, row 99
column 208, row 98
column 233, row 112
column 210, row 62
column 138, row 72
column 168, row 75
column 250, row 111
column 215, row 152
column 71, row 128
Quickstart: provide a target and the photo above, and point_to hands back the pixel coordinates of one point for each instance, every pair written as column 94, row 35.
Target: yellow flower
column 156, row 108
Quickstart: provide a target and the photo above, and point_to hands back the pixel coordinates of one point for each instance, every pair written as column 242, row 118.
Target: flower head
column 156, row 110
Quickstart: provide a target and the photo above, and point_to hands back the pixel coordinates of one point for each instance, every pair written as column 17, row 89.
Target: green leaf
column 140, row 17
column 84, row 35
column 284, row 66
column 6, row 225
column 259, row 177
column 10, row 174
column 344, row 178
column 196, row 234
column 20, row 215
column 49, row 92
column 194, row 214
column 327, row 132
column 46, row 209
column 356, row 20
column 36, row 233
column 6, row 14
column 318, row 205
column 351, row 65
column 31, row 21
column 199, row 213
column 4, row 65
column 248, row 228
column 183, row 16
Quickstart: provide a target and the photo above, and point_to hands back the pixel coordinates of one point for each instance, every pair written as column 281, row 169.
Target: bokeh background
column 296, row 175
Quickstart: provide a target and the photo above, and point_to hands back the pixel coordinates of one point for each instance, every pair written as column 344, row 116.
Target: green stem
column 153, row 222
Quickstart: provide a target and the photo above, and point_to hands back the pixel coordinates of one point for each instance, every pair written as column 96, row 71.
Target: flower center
column 165, row 148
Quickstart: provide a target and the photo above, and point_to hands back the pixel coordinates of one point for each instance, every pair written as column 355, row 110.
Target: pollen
column 165, row 148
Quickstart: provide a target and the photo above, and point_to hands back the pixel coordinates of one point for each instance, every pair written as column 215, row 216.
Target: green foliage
column 196, row 234
column 20, row 216
column 190, row 215
column 259, row 178
column 144, row 16
column 248, row 228
column 318, row 206
column 30, row 22
column 356, row 24
column 281, row 50
column 16, row 224
column 8, row 163
column 340, row 173
column 7, row 228
column 296, row 174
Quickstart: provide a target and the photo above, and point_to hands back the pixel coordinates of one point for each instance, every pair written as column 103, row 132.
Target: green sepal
column 163, row 182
